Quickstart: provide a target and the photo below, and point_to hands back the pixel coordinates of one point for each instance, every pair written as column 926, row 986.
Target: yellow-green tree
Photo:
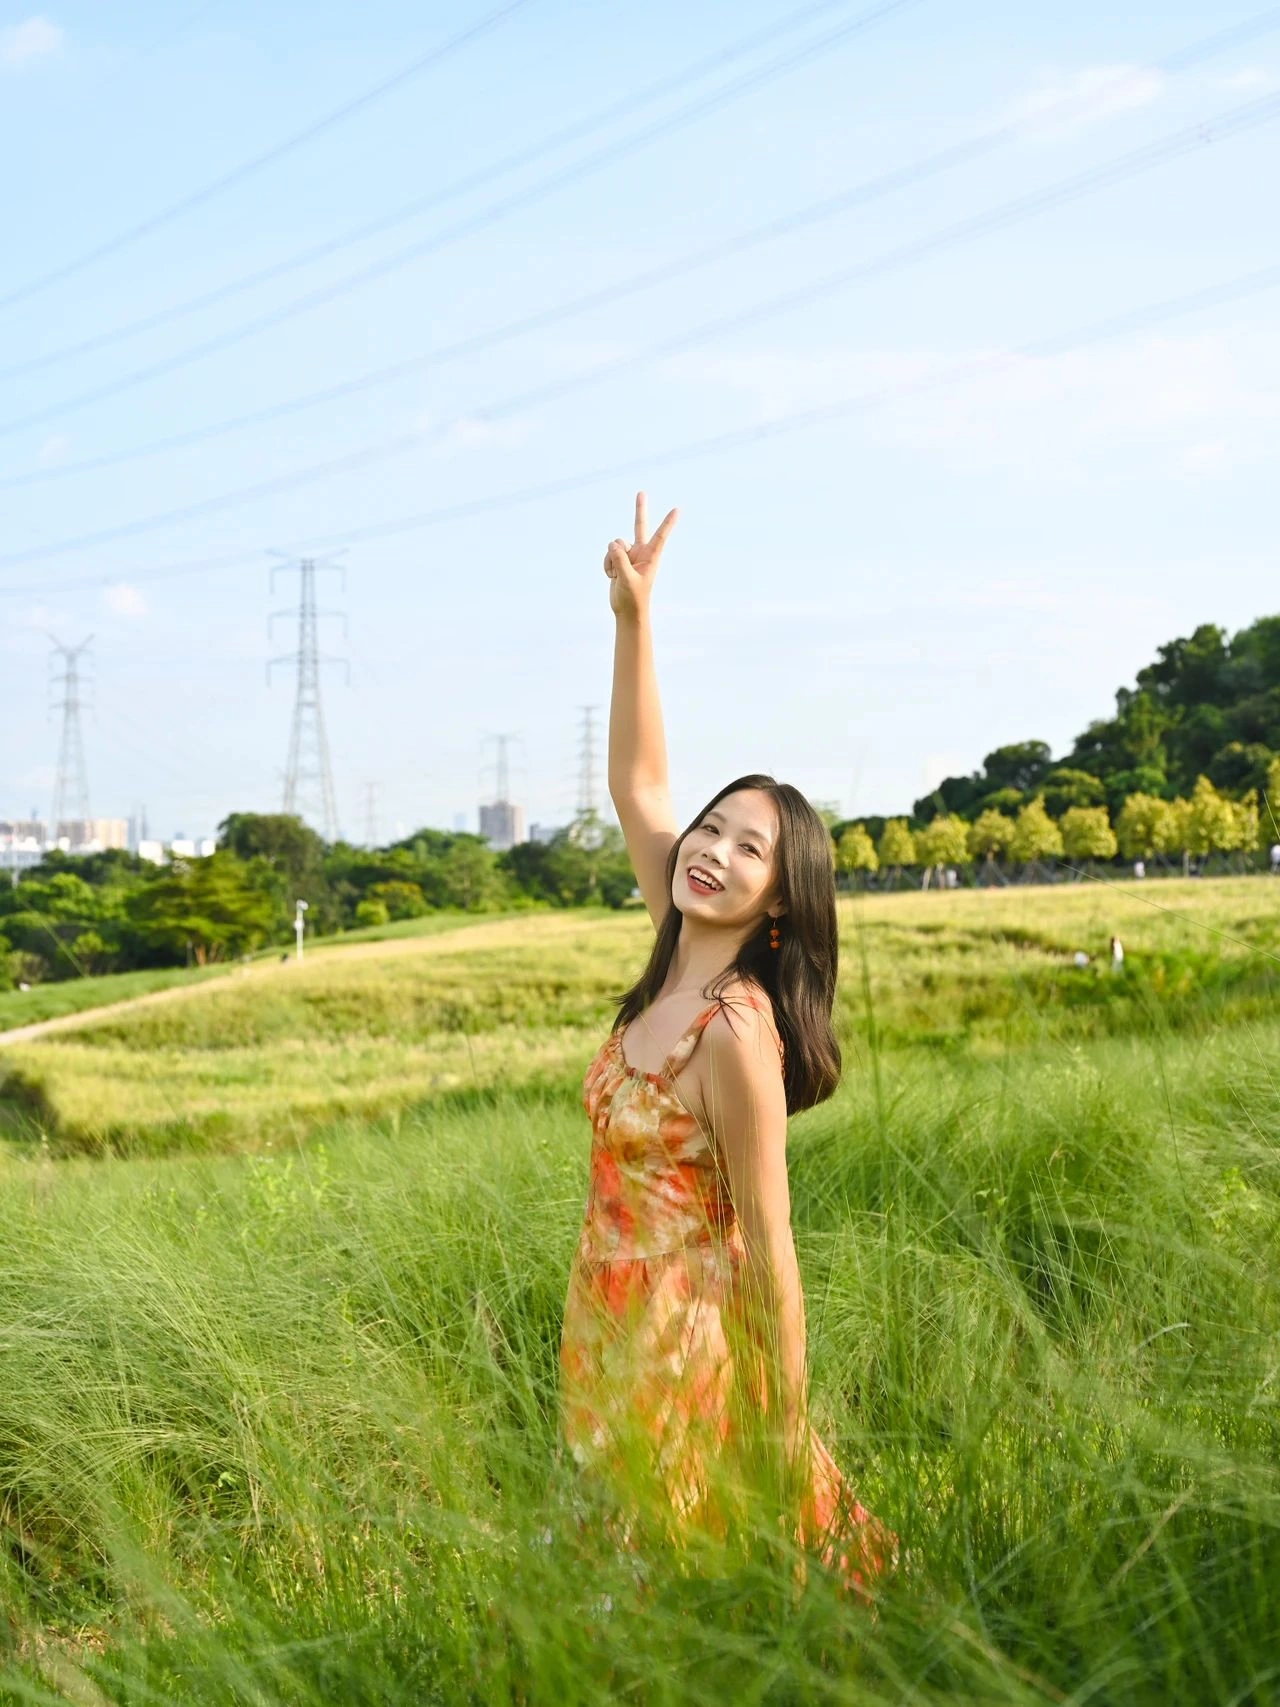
column 943, row 841
column 897, row 845
column 989, row 834
column 1248, row 822
column 1146, row 825
column 855, row 851
column 1087, row 833
column 1035, row 835
column 1211, row 823
column 1269, row 825
column 1182, row 832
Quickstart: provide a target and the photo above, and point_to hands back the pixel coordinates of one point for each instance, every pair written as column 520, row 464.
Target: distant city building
column 152, row 851
column 186, row 847
column 544, row 832
column 502, row 824
column 22, row 843
column 91, row 835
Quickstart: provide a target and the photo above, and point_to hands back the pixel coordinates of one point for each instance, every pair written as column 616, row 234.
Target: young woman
column 683, row 1345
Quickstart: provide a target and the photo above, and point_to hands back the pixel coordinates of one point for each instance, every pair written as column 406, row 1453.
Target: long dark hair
column 799, row 977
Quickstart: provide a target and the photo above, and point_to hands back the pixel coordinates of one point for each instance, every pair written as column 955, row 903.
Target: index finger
column 642, row 519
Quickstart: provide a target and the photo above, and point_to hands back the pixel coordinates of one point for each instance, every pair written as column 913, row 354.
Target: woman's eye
column 749, row 848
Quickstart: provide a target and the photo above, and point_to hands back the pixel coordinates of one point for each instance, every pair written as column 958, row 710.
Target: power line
column 856, row 196
column 251, row 167
column 1129, row 320
column 1237, row 120
column 1267, row 278
column 606, row 117
column 489, row 216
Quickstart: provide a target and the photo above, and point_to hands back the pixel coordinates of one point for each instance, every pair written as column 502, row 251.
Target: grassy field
column 284, row 1261
column 79, row 995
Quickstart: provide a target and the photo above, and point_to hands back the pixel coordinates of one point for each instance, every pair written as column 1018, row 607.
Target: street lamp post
column 299, row 924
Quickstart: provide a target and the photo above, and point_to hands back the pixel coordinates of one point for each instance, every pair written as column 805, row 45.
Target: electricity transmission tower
column 587, row 827
column 308, row 780
column 371, row 814
column 502, row 788
column 71, row 787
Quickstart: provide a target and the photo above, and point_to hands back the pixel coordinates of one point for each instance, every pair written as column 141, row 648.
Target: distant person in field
column 1117, row 954
column 683, row 1348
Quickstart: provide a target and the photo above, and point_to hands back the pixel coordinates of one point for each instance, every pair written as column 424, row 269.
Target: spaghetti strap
column 685, row 1045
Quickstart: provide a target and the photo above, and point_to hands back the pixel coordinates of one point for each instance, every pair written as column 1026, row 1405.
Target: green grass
column 279, row 1426
column 78, row 995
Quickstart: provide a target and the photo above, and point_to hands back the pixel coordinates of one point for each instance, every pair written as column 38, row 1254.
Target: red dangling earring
column 775, row 935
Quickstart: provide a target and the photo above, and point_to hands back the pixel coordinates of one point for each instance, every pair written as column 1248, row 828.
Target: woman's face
column 735, row 846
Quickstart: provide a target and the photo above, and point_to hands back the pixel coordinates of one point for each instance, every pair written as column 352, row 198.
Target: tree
column 1189, row 672
column 1247, row 824
column 370, row 913
column 1035, row 835
column 897, row 845
column 1145, row 826
column 990, row 834
column 202, row 910
column 401, row 900
column 1064, row 788
column 294, row 853
column 855, row 851
column 472, row 879
column 1087, row 834
column 943, row 842
column 1269, row 828
column 1211, row 824
column 1002, row 800
column 1021, row 765
column 1239, row 767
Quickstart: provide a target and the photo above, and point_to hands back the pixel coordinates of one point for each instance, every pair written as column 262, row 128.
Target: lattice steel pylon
column 71, row 785
column 588, row 828
column 308, row 780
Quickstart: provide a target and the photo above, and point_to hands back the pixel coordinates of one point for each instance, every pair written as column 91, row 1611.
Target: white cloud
column 473, row 432
column 125, row 600
column 1088, row 97
column 34, row 38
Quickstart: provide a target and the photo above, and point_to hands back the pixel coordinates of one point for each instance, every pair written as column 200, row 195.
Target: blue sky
column 981, row 550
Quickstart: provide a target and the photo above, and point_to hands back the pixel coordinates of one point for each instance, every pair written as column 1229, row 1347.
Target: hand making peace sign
column 631, row 568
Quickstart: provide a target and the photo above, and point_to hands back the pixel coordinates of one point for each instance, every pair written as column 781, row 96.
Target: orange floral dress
column 652, row 1339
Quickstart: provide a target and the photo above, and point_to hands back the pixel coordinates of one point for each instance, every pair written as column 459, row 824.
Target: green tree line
column 78, row 915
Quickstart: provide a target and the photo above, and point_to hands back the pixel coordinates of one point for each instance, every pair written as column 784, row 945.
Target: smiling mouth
column 700, row 887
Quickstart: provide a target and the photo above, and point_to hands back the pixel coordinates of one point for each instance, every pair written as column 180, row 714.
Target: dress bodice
column 657, row 1183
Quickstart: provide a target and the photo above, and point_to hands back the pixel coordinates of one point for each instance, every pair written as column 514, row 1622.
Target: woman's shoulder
column 745, row 1016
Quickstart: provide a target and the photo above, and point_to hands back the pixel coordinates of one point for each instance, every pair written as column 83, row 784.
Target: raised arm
column 638, row 784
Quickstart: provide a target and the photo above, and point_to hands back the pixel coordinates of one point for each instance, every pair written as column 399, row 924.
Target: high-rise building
column 91, row 835
column 502, row 824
